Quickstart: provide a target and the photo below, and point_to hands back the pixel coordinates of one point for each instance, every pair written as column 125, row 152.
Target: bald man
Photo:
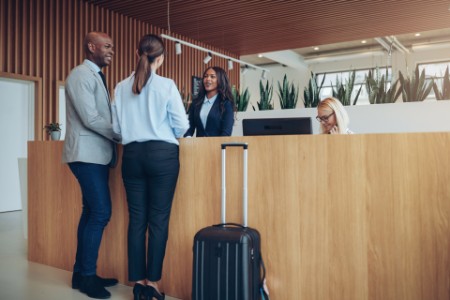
column 89, row 150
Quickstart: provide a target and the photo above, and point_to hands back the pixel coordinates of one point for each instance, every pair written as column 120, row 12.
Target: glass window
column 434, row 70
column 343, row 76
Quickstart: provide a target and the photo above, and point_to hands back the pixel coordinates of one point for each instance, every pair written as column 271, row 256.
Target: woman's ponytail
column 150, row 47
column 142, row 74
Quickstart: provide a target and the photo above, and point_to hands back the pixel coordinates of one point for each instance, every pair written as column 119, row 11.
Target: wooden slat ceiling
column 255, row 26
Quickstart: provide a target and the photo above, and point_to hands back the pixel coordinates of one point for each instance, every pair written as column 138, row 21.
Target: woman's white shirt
column 156, row 114
column 206, row 108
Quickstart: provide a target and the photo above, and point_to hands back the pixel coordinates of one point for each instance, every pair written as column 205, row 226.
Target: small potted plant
column 54, row 130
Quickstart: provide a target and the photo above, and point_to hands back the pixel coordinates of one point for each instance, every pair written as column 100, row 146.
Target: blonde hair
column 341, row 115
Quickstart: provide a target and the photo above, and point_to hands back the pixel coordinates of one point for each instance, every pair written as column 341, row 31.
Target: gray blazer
column 89, row 132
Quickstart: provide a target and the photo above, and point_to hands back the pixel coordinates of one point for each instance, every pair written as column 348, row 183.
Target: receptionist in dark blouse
column 212, row 112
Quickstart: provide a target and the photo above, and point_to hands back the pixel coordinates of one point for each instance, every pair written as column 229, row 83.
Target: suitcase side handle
column 244, row 192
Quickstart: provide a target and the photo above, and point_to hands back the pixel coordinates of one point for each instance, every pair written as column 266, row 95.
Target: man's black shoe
column 106, row 282
column 91, row 286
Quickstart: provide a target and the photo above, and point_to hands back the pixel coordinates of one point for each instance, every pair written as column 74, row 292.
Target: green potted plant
column 288, row 94
column 343, row 91
column 444, row 93
column 415, row 88
column 265, row 93
column 241, row 100
column 311, row 94
column 53, row 130
column 377, row 88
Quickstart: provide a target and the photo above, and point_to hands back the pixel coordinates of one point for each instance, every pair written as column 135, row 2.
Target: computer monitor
column 277, row 126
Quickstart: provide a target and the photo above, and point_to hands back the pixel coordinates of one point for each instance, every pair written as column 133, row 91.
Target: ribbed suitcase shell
column 226, row 264
column 227, row 256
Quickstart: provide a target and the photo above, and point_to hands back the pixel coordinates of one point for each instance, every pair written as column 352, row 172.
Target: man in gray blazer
column 89, row 150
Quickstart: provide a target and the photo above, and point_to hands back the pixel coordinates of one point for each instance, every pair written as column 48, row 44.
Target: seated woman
column 332, row 117
column 212, row 112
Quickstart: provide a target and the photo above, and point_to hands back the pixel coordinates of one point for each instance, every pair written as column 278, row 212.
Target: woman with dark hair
column 212, row 112
column 149, row 114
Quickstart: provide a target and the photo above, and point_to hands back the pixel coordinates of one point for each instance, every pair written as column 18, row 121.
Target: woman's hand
column 334, row 130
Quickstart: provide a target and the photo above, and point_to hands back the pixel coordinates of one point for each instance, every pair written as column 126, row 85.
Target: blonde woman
column 332, row 117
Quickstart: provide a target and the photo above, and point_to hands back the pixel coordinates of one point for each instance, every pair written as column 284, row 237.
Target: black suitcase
column 227, row 257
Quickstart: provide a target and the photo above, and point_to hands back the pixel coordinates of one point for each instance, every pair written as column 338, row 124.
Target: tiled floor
column 21, row 279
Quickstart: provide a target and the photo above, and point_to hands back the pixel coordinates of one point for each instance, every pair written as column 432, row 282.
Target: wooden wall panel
column 43, row 38
column 341, row 216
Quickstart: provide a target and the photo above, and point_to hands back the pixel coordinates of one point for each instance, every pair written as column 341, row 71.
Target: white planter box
column 427, row 116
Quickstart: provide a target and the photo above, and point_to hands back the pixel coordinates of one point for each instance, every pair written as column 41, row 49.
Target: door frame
column 38, row 105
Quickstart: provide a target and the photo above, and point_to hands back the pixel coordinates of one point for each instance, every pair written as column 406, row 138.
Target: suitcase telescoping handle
column 224, row 191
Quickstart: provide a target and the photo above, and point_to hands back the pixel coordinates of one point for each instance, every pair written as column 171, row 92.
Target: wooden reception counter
column 341, row 217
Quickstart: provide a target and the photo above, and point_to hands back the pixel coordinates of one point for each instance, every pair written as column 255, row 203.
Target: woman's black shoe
column 139, row 291
column 151, row 292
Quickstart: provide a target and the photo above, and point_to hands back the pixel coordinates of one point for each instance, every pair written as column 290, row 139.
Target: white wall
column 362, row 61
column 17, row 123
column 405, row 63
column 62, row 110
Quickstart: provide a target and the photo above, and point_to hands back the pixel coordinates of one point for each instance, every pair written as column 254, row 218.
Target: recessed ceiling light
column 260, row 55
column 417, row 34
column 363, row 41
column 316, row 48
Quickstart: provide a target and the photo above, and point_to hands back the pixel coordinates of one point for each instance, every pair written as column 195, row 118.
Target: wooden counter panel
column 54, row 200
column 341, row 217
